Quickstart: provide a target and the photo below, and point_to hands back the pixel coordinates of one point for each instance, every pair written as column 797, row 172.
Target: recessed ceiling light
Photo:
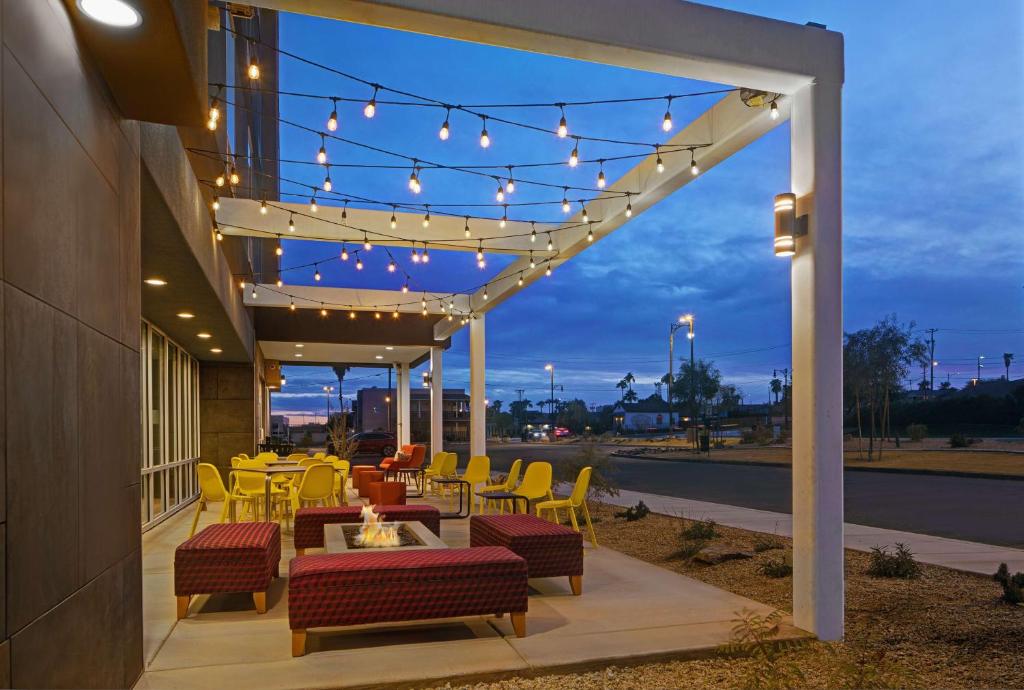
column 216, row 350
column 186, row 315
column 158, row 282
column 380, row 356
column 111, row 12
column 388, row 347
column 299, row 345
column 204, row 335
column 298, row 354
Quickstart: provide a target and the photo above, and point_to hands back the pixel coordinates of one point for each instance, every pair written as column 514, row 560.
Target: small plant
column 776, row 567
column 958, row 440
column 1013, row 585
column 917, row 432
column 753, row 636
column 766, row 542
column 602, row 470
column 634, row 513
column 899, row 564
column 700, row 530
column 689, row 548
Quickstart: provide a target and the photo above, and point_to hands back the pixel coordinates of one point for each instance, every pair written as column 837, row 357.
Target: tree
column 629, row 379
column 518, row 409
column 622, row 385
column 729, row 398
column 574, row 416
column 1007, row 358
column 698, row 384
column 630, row 396
column 875, row 361
column 776, row 387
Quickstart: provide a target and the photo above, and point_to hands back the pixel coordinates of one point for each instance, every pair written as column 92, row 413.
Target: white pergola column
column 817, row 299
column 436, row 402
column 477, row 388
column 402, row 397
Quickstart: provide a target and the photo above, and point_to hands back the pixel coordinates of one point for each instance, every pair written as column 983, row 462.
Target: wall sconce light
column 788, row 226
column 427, row 379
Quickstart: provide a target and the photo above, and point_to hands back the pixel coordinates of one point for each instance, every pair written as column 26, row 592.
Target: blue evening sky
column 933, row 143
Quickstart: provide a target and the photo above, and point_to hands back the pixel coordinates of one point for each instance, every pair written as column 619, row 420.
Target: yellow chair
column 510, row 483
column 536, row 483
column 266, row 456
column 577, row 501
column 317, row 486
column 320, row 455
column 252, row 485
column 243, row 456
column 296, row 457
column 234, row 461
column 211, row 490
column 341, row 470
column 447, row 468
column 306, row 462
column 434, row 468
column 478, row 471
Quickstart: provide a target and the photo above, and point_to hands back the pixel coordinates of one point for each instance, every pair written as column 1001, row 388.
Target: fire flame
column 374, row 533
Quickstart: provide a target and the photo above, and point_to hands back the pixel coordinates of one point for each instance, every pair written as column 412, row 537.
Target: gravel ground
column 944, row 629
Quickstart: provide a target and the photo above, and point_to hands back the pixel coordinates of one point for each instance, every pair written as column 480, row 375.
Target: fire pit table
column 412, row 535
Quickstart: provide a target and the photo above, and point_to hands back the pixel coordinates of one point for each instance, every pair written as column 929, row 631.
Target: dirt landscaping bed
column 944, row 629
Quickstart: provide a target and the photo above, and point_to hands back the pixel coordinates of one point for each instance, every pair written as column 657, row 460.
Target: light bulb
column 323, row 312
column 279, row 282
column 366, row 243
column 352, row 314
column 659, row 164
column 291, row 225
column 254, row 295
column 466, row 231
column 533, row 235
column 414, row 182
column 485, row 139
column 586, row 216
column 773, row 110
column 445, row 131
column 394, row 314
column 279, row 251
column 480, row 252
column 220, row 236
column 504, row 221
column 263, row 207
column 312, row 205
column 590, row 235
column 563, row 128
column 565, row 205
column 629, row 210
column 551, row 245
column 216, row 204
column 291, row 305
column 510, row 186
column 371, row 106
column 233, row 175
column 481, row 264
column 485, row 293
column 426, row 219
column 219, row 181
column 520, row 281
column 211, row 124
column 666, row 123
column 392, row 266
column 533, row 264
column 574, row 157
column 500, row 195
column 344, row 253
column 214, row 113
column 600, row 180
column 405, row 287
column 425, row 258
column 415, row 256
column 694, row 169
column 359, row 264
column 327, row 184
column 316, row 276
column 332, row 121
column 321, row 155
column 241, row 284
column 394, row 221
column 254, row 70
column 548, row 271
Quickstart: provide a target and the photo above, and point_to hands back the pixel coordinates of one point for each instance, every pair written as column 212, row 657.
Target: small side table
column 506, row 496
column 464, row 487
column 419, row 479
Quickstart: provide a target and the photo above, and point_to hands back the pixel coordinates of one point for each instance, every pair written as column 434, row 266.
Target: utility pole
column 785, row 387
column 980, row 365
column 520, row 410
column 931, row 358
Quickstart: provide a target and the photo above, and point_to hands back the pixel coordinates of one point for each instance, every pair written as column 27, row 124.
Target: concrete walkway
column 967, row 556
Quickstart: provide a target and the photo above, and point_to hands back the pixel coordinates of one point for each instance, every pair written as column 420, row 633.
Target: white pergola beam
column 242, row 217
column 335, row 298
column 664, row 36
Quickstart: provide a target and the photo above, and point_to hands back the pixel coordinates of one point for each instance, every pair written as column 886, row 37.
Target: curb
column 888, row 470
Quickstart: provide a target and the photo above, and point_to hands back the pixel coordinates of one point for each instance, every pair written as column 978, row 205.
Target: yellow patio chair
column 253, row 485
column 306, row 462
column 449, row 465
column 434, row 468
column 235, row 460
column 266, row 456
column 320, row 455
column 510, row 483
column 341, row 470
column 243, row 456
column 577, row 501
column 316, row 487
column 211, row 490
column 296, row 457
column 536, row 483
column 478, row 471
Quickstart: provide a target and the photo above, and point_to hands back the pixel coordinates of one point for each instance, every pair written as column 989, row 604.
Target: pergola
column 802, row 63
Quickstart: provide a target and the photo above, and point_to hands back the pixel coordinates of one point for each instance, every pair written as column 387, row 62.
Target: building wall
column 227, row 412
column 71, row 610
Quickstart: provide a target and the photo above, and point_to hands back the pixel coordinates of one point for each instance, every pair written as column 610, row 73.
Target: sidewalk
column 967, row 556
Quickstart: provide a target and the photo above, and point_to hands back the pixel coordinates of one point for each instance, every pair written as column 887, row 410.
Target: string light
column 332, row 120
column 533, row 264
column 344, row 253
column 359, row 264
column 371, row 106
column 263, row 207
column 394, row 219
column 510, row 186
column 279, row 250
column 485, row 292
column 219, row 181
column 659, row 164
column 666, row 122
column 254, row 295
column 425, row 258
column 773, row 110
column 520, row 281
column 445, row 130
column 565, row 200
column 504, row 218
column 533, row 232
column 291, row 223
column 415, row 255
column 291, row 304
column 414, row 180
column 551, row 245
column 574, row 157
column 312, row 204
column 327, row 181
column 405, row 287
column 321, row 155
column 629, row 206
column 366, row 243
column 547, row 272
column 600, row 176
column 563, row 126
column 316, row 275
column 394, row 314
column 392, row 266
column 426, row 216
column 586, row 217
column 485, row 139
column 214, row 114
column 480, row 262
column 694, row 169
column 500, row 195
column 233, row 176
column 590, row 234
column 466, row 231
column 216, row 203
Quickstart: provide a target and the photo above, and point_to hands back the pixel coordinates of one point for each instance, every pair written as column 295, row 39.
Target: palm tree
column 629, row 379
column 622, row 386
column 1007, row 358
column 776, row 385
column 630, row 396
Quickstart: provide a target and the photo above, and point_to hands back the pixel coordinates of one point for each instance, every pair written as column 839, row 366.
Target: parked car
column 562, row 432
column 380, row 443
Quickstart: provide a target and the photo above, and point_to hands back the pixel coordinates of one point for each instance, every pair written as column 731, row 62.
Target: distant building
column 643, row 416
column 375, row 411
column 278, row 426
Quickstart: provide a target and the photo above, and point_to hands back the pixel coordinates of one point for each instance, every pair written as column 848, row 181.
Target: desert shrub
column 1013, row 585
column 700, row 530
column 589, row 455
column 634, row 513
column 688, row 548
column 761, row 435
column 753, row 636
column 899, row 563
column 917, row 432
column 958, row 440
column 766, row 542
column 776, row 567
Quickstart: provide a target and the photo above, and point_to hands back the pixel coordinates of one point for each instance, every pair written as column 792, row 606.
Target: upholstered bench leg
column 519, row 623
column 298, row 642
column 183, row 606
column 260, row 599
column 576, row 582
column 300, row 552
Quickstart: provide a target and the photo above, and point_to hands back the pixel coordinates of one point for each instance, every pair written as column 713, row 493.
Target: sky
column 933, row 129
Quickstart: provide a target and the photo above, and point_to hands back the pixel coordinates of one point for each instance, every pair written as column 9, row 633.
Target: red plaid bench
column 550, row 550
column 229, row 557
column 326, row 590
column 309, row 522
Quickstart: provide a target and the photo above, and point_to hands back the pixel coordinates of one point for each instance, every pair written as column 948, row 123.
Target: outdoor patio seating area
column 337, row 612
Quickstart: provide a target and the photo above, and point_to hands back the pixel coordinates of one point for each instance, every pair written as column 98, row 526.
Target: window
column 170, row 426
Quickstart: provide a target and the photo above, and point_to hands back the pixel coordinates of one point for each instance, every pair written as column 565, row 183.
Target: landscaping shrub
column 776, row 567
column 899, row 564
column 753, row 636
column 701, row 530
column 1013, row 585
column 958, row 440
column 761, row 435
column 917, row 432
column 688, row 548
column 634, row 513
column 766, row 542
column 589, row 455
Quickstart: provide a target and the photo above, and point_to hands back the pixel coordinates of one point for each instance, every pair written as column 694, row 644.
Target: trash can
column 705, row 443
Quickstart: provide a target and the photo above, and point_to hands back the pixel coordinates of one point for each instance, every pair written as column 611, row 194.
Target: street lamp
column 684, row 320
column 551, row 401
column 327, row 391
column 980, row 366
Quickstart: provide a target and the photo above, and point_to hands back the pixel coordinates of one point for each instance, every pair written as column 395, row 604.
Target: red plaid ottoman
column 550, row 550
column 309, row 522
column 228, row 557
column 326, row 590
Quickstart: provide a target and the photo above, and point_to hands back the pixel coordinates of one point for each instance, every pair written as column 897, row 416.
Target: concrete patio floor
column 629, row 610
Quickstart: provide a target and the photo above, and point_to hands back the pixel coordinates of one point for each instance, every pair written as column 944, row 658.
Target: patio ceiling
column 331, row 353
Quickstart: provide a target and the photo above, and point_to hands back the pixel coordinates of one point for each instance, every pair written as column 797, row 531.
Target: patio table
column 269, row 473
column 419, row 478
column 507, row 496
column 463, row 486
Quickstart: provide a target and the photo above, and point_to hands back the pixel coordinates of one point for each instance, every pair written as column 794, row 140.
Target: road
column 983, row 510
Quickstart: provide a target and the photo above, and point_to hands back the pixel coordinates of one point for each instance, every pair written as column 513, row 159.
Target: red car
column 381, row 443
column 561, row 431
